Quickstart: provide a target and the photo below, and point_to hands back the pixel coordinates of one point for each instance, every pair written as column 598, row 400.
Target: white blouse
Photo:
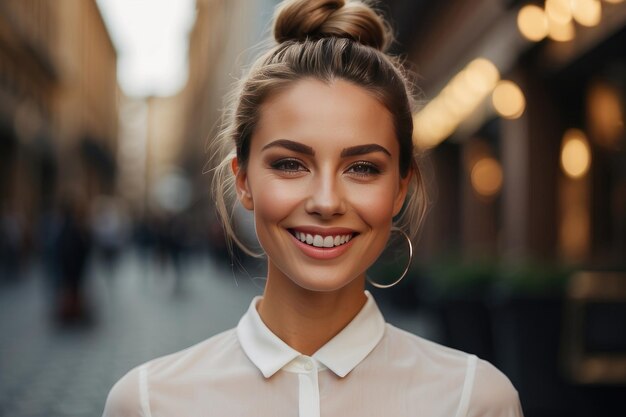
column 370, row 368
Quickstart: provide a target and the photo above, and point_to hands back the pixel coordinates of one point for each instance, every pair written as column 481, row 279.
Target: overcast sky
column 151, row 40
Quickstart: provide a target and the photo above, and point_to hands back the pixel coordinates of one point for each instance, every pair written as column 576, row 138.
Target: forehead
column 319, row 114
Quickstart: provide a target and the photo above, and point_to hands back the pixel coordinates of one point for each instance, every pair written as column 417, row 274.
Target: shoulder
column 429, row 354
column 130, row 396
column 492, row 393
column 124, row 398
column 483, row 390
column 207, row 355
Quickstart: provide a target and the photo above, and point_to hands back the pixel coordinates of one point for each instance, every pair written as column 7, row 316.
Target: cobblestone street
column 139, row 311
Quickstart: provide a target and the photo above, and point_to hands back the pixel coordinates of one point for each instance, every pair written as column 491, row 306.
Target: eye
column 363, row 168
column 288, row 165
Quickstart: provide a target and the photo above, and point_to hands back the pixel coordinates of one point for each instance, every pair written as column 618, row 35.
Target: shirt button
column 308, row 366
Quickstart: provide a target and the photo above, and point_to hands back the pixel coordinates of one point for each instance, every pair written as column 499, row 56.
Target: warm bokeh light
column 559, row 11
column 574, row 230
column 575, row 154
column 486, row 176
column 587, row 12
column 456, row 101
column 532, row 22
column 614, row 1
column 482, row 75
column 605, row 115
column 508, row 100
column 561, row 32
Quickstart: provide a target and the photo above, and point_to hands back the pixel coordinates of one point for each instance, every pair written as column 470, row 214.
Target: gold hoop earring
column 406, row 269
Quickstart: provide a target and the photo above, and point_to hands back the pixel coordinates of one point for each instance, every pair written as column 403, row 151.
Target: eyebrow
column 363, row 149
column 307, row 150
column 291, row 145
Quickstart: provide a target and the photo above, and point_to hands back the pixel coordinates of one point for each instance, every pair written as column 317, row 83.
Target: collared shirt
column 370, row 368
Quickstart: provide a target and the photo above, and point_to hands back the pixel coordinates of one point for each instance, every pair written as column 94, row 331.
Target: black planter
column 527, row 335
column 466, row 325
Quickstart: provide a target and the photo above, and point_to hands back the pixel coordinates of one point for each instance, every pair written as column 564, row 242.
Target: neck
column 306, row 320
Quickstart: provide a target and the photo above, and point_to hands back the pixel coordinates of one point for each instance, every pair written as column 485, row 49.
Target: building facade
column 58, row 107
column 514, row 185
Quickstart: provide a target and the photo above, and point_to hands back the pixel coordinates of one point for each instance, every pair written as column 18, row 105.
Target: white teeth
column 322, row 241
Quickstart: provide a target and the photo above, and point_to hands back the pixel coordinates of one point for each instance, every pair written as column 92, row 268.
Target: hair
column 325, row 40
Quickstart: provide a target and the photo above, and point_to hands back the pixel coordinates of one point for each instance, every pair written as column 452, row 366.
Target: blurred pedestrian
column 11, row 245
column 110, row 229
column 73, row 248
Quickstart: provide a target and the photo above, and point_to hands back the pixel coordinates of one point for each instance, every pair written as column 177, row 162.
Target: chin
column 321, row 282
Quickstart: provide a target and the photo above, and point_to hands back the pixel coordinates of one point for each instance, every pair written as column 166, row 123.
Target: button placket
column 309, row 395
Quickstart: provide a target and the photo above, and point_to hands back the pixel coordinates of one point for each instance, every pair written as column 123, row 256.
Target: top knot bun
column 301, row 19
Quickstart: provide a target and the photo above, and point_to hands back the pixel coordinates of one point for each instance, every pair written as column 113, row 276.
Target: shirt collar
column 341, row 354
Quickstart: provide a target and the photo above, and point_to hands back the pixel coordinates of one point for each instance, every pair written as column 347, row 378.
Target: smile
column 323, row 244
column 320, row 241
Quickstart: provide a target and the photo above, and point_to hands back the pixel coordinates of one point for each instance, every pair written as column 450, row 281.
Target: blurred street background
column 111, row 254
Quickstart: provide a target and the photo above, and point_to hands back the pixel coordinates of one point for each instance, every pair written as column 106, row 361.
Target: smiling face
column 323, row 182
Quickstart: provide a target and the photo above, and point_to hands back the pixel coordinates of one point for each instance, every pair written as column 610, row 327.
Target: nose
column 326, row 196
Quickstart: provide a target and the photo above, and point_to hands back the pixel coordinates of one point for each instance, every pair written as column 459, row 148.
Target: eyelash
column 280, row 165
column 372, row 169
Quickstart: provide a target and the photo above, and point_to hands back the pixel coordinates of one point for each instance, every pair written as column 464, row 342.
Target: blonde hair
column 324, row 40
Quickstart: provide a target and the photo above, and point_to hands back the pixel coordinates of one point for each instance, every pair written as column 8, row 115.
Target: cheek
column 375, row 205
column 273, row 199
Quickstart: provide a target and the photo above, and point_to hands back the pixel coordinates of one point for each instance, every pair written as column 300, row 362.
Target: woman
column 321, row 128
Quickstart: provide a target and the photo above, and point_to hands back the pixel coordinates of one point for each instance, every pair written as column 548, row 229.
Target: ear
column 402, row 191
column 241, row 185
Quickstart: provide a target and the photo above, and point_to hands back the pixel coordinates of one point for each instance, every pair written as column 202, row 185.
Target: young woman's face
column 323, row 182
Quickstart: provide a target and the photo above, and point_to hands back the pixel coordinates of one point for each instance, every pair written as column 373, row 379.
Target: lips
column 324, row 238
column 320, row 241
column 323, row 243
